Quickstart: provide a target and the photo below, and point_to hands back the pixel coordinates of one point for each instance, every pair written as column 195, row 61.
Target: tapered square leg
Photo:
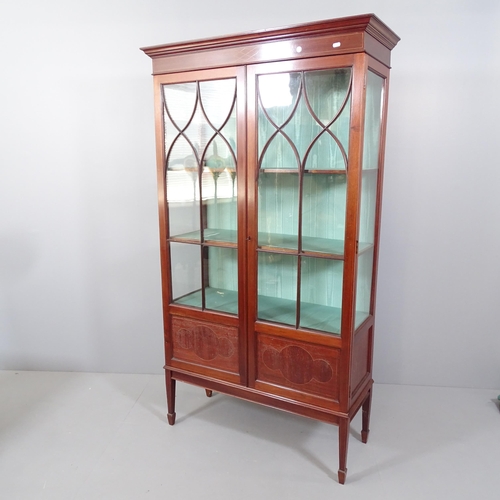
column 343, row 444
column 366, row 409
column 170, row 384
column 208, row 392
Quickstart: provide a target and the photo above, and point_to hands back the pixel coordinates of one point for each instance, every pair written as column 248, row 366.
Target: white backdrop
column 79, row 252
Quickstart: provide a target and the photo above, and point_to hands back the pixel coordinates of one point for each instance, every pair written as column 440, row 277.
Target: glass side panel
column 200, row 149
column 364, row 286
column 321, row 294
column 368, row 205
column 277, row 288
column 186, row 274
column 278, row 199
column 373, row 117
column 323, row 213
column 221, row 282
column 368, row 199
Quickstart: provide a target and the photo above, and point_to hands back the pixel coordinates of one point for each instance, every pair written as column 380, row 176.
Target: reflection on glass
column 182, row 188
column 323, row 213
column 327, row 92
column 186, row 274
column 200, row 142
column 218, row 192
column 278, row 94
column 364, row 286
column 277, row 288
column 217, row 99
column 221, row 279
column 278, row 198
column 321, row 294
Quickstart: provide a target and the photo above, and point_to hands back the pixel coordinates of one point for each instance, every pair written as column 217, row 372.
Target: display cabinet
column 270, row 150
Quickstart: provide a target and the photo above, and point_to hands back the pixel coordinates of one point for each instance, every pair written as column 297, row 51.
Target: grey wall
column 79, row 263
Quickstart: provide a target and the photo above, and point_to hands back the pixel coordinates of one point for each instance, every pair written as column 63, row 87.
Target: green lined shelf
column 217, row 299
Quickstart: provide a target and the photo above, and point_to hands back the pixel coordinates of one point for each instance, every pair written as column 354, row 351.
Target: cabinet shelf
column 218, row 299
column 228, row 237
column 312, row 316
column 287, row 243
column 306, row 171
column 272, row 242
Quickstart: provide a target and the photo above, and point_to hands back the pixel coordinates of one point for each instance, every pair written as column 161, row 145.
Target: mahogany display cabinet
column 270, row 151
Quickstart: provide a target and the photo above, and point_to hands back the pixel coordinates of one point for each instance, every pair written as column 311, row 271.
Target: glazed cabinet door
column 202, row 219
column 301, row 122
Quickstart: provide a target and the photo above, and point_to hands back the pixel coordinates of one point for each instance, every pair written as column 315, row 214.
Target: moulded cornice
column 368, row 23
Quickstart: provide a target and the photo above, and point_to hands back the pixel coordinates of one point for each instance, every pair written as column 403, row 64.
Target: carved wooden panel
column 203, row 343
column 301, row 366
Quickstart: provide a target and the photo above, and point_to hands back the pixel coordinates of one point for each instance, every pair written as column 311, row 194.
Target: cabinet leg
column 343, row 443
column 170, row 383
column 366, row 409
column 208, row 392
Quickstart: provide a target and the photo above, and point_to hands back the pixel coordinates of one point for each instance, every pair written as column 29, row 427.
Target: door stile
column 251, row 210
column 241, row 99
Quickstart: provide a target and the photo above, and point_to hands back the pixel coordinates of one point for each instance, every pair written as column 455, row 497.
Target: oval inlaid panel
column 205, row 343
column 297, row 365
column 308, row 369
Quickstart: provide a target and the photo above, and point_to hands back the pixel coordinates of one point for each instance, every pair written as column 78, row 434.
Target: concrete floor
column 104, row 436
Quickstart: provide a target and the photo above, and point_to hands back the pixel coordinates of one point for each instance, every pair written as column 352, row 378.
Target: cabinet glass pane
column 277, row 288
column 368, row 196
column 277, row 99
column 219, row 194
column 321, row 294
column 186, row 274
column 323, row 213
column 328, row 95
column 364, row 286
column 200, row 150
column 373, row 118
column 278, row 202
column 221, row 279
column 183, row 193
column 368, row 204
column 303, row 120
